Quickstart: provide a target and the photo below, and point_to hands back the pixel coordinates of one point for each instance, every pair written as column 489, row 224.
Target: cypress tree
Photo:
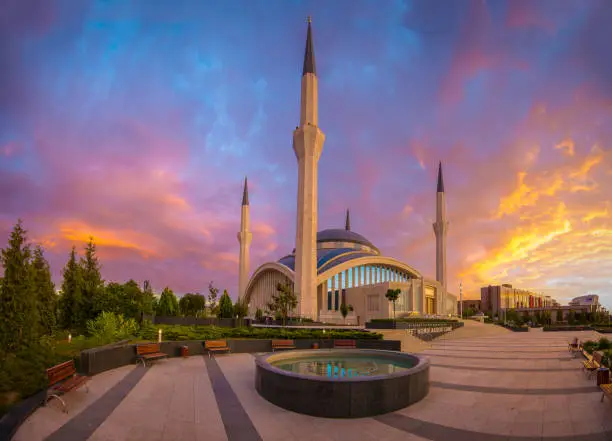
column 93, row 285
column 17, row 301
column 226, row 307
column 168, row 304
column 44, row 290
column 71, row 301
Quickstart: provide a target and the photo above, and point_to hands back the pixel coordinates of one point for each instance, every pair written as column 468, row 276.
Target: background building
column 496, row 298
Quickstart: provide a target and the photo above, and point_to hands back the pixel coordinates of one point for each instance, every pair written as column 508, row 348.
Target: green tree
column 241, row 309
column 44, row 291
column 93, row 285
column 259, row 314
column 192, row 305
column 226, row 308
column 71, row 301
column 283, row 301
column 559, row 315
column 133, row 300
column 392, row 295
column 149, row 301
column 18, row 308
column 168, row 304
column 110, row 299
column 213, row 292
column 344, row 310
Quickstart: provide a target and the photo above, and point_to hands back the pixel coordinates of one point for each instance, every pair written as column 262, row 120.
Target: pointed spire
column 309, row 57
column 245, row 193
column 347, row 224
column 440, row 179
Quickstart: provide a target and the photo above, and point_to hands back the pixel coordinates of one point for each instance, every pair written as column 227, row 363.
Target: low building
column 496, row 298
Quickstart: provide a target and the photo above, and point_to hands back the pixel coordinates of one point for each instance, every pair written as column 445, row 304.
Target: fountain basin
column 342, row 383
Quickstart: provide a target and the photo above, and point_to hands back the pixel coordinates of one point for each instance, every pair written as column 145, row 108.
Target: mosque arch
column 263, row 282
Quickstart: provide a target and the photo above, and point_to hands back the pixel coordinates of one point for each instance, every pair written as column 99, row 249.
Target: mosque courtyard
column 487, row 384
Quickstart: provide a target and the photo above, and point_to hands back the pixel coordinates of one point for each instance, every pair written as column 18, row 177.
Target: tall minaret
column 244, row 238
column 440, row 227
column 347, row 223
column 307, row 143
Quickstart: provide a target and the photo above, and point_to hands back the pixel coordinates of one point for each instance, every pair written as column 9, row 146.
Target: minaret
column 307, row 143
column 244, row 238
column 347, row 223
column 440, row 227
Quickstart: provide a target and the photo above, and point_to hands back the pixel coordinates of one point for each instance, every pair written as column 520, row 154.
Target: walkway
column 511, row 386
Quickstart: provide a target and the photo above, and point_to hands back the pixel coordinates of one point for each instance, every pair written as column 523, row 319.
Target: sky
column 135, row 122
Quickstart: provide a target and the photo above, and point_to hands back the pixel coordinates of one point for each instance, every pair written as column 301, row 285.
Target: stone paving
column 503, row 386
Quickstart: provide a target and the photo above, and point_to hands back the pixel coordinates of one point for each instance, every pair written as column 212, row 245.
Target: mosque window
column 373, row 302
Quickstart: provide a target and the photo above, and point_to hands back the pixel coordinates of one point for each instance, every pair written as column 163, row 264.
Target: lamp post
column 460, row 299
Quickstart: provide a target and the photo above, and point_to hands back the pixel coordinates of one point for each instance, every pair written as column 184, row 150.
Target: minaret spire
column 309, row 57
column 440, row 179
column 245, row 193
column 244, row 239
column 347, row 224
column 308, row 142
column 440, row 228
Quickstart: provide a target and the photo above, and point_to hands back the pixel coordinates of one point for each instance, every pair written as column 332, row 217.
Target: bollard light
column 69, row 338
column 159, row 335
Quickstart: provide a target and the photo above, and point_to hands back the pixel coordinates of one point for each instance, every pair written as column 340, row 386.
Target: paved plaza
column 486, row 386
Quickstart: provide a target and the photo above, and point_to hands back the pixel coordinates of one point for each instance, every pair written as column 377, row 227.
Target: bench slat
column 147, row 348
column 60, row 372
column 72, row 383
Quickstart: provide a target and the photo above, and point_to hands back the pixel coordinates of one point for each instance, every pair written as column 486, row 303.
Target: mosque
column 338, row 265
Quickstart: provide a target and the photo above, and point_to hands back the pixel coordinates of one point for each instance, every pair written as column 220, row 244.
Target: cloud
column 137, row 125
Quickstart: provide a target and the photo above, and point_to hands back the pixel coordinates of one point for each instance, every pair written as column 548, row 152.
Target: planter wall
column 409, row 325
column 195, row 321
column 17, row 414
column 566, row 328
column 94, row 361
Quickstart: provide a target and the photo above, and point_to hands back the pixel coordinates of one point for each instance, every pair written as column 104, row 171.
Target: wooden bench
column 607, row 391
column 62, row 379
column 149, row 351
column 345, row 344
column 282, row 344
column 573, row 346
column 214, row 346
column 592, row 363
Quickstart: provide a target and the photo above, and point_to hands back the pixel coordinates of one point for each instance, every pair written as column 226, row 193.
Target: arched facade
column 358, row 277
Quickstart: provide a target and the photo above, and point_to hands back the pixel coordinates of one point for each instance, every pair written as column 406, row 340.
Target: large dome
column 342, row 235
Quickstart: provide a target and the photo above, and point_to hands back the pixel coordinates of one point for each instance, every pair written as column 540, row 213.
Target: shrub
column 109, row 327
column 177, row 332
column 604, row 343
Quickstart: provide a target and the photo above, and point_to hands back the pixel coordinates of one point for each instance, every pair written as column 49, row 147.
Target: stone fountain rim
column 263, row 362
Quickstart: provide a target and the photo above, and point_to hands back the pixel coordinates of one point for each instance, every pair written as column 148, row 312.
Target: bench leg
column 64, row 407
column 603, row 395
column 144, row 364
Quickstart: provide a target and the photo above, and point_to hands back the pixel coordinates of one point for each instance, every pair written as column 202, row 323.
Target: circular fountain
column 342, row 383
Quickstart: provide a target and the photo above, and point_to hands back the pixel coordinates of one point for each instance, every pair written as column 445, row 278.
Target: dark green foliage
column 72, row 313
column 392, row 295
column 226, row 308
column 259, row 314
column 283, row 302
column 192, row 305
column 241, row 309
column 44, row 291
column 177, row 333
column 559, row 315
column 93, row 285
column 604, row 343
column 18, row 306
column 213, row 292
column 168, row 304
